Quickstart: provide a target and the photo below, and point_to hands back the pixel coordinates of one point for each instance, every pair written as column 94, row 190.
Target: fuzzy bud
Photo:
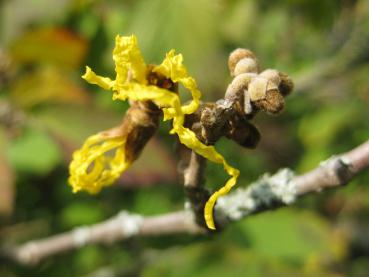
column 273, row 102
column 246, row 65
column 239, row 83
column 257, row 88
column 272, row 75
column 236, row 56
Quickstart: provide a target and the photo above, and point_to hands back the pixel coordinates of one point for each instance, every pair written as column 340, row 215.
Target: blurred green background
column 47, row 110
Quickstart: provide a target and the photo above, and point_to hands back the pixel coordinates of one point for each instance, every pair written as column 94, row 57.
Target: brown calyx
column 286, row 85
column 273, row 103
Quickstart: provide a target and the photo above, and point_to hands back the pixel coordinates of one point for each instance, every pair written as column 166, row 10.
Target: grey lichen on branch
column 268, row 192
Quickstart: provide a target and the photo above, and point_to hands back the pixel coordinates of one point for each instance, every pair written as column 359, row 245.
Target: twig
column 193, row 174
column 335, row 172
column 269, row 192
column 122, row 226
column 193, row 181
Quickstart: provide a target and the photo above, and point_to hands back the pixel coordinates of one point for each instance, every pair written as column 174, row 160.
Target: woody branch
column 269, row 192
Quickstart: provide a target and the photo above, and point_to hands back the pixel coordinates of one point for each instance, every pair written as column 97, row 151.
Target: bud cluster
column 257, row 90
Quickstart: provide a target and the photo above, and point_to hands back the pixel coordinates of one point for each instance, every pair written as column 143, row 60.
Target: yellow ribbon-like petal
column 172, row 67
column 91, row 168
column 92, row 78
column 128, row 60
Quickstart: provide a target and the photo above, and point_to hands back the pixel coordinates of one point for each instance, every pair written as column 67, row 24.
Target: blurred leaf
column 241, row 17
column 88, row 24
column 188, row 26
column 84, row 213
column 17, row 15
column 33, row 152
column 55, row 46
column 297, row 236
column 25, row 231
column 152, row 201
column 320, row 128
column 76, row 122
column 210, row 260
column 88, row 258
column 360, row 267
column 155, row 166
column 317, row 131
column 175, row 24
column 48, row 84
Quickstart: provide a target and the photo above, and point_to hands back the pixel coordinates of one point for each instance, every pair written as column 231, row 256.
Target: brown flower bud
column 238, row 55
column 272, row 75
column 286, row 84
column 239, row 84
column 257, row 88
column 273, row 102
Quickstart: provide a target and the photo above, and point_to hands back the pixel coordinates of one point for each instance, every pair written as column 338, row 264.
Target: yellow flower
column 92, row 169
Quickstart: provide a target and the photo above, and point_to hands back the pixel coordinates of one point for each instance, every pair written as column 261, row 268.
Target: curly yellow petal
column 172, row 67
column 92, row 78
column 92, row 168
column 161, row 97
column 128, row 60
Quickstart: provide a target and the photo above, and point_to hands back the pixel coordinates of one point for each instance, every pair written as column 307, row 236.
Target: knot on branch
column 336, row 170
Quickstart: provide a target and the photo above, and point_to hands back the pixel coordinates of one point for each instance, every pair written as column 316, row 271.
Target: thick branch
column 269, row 192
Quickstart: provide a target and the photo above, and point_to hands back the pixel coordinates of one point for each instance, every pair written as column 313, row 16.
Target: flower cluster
column 93, row 168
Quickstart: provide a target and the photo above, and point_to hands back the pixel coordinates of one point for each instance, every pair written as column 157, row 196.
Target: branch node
column 130, row 223
column 81, row 236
